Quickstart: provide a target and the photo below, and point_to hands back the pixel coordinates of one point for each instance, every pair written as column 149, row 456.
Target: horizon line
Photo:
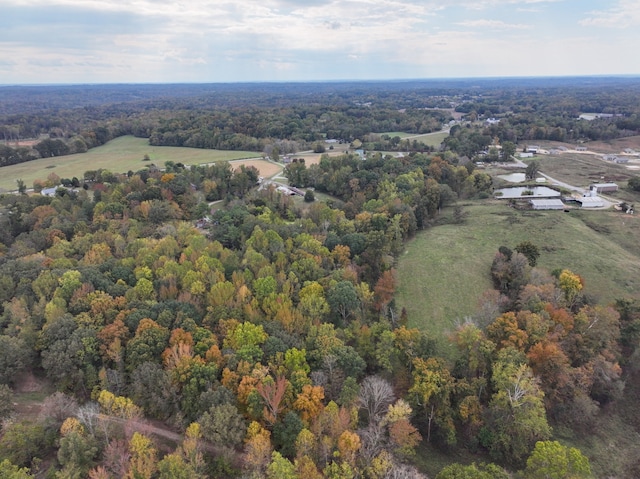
column 371, row 80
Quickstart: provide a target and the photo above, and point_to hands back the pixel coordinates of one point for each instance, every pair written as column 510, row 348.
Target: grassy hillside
column 445, row 269
column 119, row 155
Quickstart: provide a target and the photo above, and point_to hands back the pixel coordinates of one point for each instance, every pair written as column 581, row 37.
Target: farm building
column 590, row 202
column 552, row 204
column 620, row 160
column 49, row 191
column 581, row 148
column 285, row 190
column 525, row 155
column 532, row 149
column 610, row 157
column 604, row 187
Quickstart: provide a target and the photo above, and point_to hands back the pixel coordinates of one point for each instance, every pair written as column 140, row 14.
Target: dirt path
column 31, row 391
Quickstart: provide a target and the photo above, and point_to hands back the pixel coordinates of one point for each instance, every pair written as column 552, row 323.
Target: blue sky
column 160, row 41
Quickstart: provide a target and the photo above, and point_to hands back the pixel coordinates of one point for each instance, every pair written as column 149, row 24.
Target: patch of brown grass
column 266, row 168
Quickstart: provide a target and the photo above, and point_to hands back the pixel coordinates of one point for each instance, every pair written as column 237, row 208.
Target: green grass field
column 119, row 156
column 430, row 139
column 445, row 269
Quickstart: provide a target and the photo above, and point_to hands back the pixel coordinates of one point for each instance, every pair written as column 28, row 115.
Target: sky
column 202, row 41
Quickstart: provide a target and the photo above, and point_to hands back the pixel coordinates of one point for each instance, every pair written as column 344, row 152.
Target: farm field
column 311, row 158
column 266, row 168
column 445, row 269
column 615, row 146
column 119, row 155
column 431, row 139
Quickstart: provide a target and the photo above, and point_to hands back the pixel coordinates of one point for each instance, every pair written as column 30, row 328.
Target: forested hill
column 261, row 330
column 271, row 338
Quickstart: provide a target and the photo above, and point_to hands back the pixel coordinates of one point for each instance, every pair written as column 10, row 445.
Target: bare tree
column 403, row 471
column 376, row 394
column 88, row 415
column 58, row 407
column 373, row 439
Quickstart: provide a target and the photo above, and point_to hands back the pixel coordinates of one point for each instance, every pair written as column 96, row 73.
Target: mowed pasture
column 445, row 269
column 118, row 156
column 430, row 139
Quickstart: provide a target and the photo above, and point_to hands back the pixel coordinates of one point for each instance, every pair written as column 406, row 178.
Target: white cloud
column 493, row 25
column 226, row 40
column 483, row 4
column 623, row 15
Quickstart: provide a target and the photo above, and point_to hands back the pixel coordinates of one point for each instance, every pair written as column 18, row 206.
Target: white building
column 590, row 202
column 548, row 204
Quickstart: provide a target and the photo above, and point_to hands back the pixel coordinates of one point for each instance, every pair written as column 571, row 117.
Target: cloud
column 493, row 25
column 623, row 15
column 484, row 4
column 253, row 40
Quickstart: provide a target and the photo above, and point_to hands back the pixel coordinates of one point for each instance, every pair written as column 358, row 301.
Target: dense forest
column 266, row 343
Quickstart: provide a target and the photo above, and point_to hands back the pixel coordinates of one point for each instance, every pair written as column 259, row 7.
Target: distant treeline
column 292, row 117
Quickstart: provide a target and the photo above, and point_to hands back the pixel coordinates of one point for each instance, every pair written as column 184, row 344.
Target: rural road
column 608, row 203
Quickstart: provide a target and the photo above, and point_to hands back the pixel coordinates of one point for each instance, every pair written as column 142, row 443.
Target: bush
column 309, row 196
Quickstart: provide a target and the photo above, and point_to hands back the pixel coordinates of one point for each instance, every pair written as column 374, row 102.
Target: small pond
column 516, row 192
column 513, row 177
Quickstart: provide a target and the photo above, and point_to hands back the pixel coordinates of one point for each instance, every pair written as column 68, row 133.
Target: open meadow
column 582, row 170
column 118, row 156
column 445, row 269
column 266, row 168
column 430, row 139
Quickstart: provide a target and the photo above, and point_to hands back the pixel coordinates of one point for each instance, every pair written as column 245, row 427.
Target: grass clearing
column 119, row 155
column 431, row 139
column 581, row 170
column 445, row 269
column 267, row 169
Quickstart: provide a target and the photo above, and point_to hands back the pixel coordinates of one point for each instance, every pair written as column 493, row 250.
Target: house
column 581, row 148
column 630, row 151
column 604, row 187
column 550, row 204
